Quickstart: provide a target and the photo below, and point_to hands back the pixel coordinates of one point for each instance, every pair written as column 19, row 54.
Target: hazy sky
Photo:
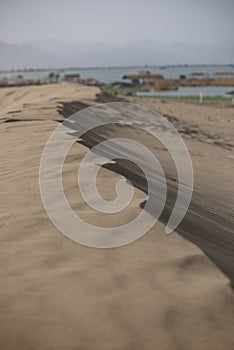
column 117, row 21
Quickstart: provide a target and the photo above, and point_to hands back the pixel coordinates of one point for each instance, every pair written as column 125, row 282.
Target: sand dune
column 159, row 292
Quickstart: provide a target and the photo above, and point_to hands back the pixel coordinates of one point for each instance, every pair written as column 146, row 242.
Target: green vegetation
column 128, row 91
column 192, row 98
column 132, row 91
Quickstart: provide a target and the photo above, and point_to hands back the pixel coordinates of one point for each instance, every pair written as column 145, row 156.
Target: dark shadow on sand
column 210, row 231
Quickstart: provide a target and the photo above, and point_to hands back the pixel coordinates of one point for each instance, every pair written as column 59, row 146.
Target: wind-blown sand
column 160, row 292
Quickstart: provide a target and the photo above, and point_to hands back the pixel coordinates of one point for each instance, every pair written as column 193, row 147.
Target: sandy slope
column 161, row 292
column 206, row 123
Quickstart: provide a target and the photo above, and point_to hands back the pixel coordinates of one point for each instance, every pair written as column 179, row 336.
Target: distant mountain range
column 54, row 53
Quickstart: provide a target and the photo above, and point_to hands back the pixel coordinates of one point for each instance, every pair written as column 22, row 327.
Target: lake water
column 111, row 74
column 192, row 91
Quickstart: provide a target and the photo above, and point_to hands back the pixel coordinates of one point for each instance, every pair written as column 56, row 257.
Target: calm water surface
column 111, row 74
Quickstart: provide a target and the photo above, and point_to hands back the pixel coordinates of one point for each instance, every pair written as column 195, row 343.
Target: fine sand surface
column 160, row 292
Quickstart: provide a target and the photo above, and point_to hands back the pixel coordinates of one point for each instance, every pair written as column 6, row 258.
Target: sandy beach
column 160, row 292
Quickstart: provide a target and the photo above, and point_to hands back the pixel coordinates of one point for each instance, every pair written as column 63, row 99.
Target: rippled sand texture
column 160, row 292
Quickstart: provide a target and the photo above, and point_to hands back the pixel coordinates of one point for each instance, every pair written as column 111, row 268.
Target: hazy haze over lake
column 99, row 33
